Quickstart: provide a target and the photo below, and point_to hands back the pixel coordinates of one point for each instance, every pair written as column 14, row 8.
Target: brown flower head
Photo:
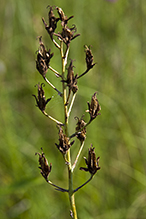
column 81, row 135
column 64, row 143
column 92, row 162
column 94, row 107
column 64, row 19
column 45, row 168
column 89, row 58
column 67, row 35
column 40, row 100
column 52, row 22
column 43, row 58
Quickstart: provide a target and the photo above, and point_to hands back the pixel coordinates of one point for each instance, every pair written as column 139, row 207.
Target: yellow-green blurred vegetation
column 117, row 33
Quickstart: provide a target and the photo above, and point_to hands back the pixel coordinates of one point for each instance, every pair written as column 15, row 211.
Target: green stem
column 68, row 156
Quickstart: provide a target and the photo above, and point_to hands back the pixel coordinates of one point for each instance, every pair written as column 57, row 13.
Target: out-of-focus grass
column 117, row 33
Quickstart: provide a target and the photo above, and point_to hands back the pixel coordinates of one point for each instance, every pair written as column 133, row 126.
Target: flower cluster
column 67, row 34
column 69, row 84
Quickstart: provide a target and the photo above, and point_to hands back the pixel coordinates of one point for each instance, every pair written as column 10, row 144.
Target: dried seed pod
column 45, row 168
column 71, row 79
column 81, row 135
column 64, row 19
column 43, row 58
column 89, row 57
column 91, row 162
column 93, row 107
column 52, row 22
column 89, row 61
column 64, row 143
column 40, row 100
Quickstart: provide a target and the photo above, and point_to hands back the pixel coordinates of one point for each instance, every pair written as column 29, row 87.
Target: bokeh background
column 117, row 32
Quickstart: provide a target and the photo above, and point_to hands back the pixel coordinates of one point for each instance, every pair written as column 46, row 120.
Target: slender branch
column 83, row 184
column 66, row 56
column 57, row 187
column 60, row 94
column 71, row 104
column 50, row 117
column 56, row 72
column 83, row 74
column 77, row 157
column 56, row 44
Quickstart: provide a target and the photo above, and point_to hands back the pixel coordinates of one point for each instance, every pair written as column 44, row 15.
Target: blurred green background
column 117, row 32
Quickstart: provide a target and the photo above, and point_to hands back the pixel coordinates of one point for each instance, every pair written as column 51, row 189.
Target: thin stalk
column 56, row 72
column 66, row 56
column 77, row 157
column 52, row 86
column 71, row 104
column 83, row 184
column 83, row 74
column 50, row 117
column 56, row 44
column 57, row 187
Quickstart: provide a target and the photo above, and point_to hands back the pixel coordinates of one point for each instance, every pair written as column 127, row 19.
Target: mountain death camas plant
column 68, row 91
